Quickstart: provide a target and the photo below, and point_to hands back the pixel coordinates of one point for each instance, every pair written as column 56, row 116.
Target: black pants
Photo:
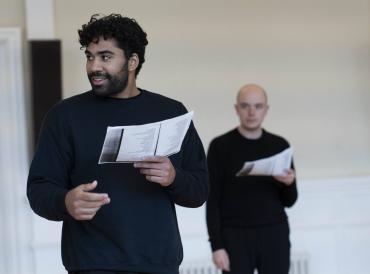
column 265, row 248
column 104, row 272
column 112, row 272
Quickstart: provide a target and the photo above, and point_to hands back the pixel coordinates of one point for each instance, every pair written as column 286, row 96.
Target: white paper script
column 272, row 166
column 133, row 143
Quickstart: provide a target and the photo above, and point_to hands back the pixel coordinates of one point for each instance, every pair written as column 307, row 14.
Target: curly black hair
column 126, row 31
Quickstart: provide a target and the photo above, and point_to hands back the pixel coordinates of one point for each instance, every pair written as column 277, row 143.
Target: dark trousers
column 265, row 248
column 104, row 272
column 112, row 272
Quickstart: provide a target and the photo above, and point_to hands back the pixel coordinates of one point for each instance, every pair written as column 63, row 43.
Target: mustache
column 99, row 74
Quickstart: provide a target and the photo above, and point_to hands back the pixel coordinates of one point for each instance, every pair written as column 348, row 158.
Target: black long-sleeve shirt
column 249, row 200
column 137, row 230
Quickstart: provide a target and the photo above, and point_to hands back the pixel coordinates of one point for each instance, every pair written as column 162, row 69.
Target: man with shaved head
column 247, row 224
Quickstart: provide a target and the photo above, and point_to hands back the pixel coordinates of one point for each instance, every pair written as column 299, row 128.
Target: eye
column 89, row 57
column 243, row 105
column 106, row 57
column 259, row 106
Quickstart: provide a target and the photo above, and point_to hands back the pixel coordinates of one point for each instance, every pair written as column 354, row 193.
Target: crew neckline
column 249, row 139
column 136, row 97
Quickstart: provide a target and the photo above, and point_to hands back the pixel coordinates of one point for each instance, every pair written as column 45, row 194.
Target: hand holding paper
column 157, row 169
column 277, row 165
column 288, row 178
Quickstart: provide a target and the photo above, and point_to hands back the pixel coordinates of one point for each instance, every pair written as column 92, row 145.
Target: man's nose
column 95, row 65
column 252, row 110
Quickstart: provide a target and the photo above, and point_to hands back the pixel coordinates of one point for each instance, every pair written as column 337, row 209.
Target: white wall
column 15, row 214
column 331, row 223
column 12, row 13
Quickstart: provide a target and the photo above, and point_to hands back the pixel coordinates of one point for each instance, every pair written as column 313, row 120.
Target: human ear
column 133, row 62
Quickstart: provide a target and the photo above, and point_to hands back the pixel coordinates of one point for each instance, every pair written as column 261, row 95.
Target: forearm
column 289, row 194
column 47, row 199
column 214, row 231
column 189, row 189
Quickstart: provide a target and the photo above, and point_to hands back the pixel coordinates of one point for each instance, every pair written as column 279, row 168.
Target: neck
column 250, row 134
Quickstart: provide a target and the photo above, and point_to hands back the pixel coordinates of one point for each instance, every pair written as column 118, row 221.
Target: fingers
column 224, row 263
column 153, row 162
column 157, row 169
column 287, row 178
column 155, row 159
column 83, row 211
column 227, row 264
column 82, row 204
column 89, row 186
column 155, row 175
column 93, row 197
column 88, row 196
column 289, row 172
column 221, row 264
column 86, row 214
column 87, row 211
column 155, row 172
column 156, row 179
column 221, row 259
column 85, row 217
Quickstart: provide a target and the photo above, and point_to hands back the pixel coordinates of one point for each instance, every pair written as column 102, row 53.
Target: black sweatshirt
column 244, row 201
column 137, row 230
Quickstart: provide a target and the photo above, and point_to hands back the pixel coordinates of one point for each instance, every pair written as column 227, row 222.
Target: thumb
column 89, row 186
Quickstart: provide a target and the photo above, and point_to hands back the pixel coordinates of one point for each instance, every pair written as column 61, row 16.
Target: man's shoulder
column 224, row 138
column 157, row 97
column 163, row 103
column 81, row 97
column 275, row 138
column 64, row 108
column 78, row 98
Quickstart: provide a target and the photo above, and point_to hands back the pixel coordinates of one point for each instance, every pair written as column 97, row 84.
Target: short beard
column 115, row 85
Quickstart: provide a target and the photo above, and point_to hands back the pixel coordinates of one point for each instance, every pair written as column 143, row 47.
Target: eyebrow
column 101, row 52
column 249, row 104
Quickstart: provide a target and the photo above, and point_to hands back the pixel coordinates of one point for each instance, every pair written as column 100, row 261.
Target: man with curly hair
column 117, row 218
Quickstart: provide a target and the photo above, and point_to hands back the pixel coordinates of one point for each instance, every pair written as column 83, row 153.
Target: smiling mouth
column 98, row 80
